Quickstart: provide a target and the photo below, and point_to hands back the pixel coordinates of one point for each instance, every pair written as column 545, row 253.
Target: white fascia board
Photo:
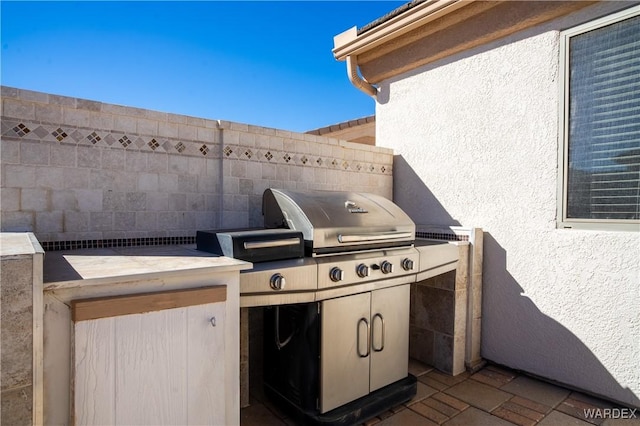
column 349, row 43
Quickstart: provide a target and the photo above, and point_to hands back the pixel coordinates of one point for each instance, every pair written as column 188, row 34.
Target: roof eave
column 350, row 43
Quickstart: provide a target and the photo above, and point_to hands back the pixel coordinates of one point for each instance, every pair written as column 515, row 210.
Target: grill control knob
column 407, row 264
column 386, row 267
column 336, row 274
column 277, row 281
column 362, row 270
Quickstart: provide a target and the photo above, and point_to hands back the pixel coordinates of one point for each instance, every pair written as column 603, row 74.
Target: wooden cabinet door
column 156, row 368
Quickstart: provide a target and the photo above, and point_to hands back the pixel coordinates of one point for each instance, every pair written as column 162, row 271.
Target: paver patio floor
column 493, row 396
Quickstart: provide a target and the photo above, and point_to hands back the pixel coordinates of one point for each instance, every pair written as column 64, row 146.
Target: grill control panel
column 279, row 276
column 364, row 267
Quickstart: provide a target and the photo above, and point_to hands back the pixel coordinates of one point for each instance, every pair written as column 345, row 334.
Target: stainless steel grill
column 342, row 352
column 355, row 242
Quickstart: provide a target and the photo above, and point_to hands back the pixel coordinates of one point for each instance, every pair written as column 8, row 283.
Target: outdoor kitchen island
column 97, row 275
column 141, row 335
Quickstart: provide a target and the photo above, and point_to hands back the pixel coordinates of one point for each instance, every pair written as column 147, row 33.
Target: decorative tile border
column 161, row 241
column 274, row 156
column 105, row 139
column 109, row 243
column 444, row 236
column 131, row 141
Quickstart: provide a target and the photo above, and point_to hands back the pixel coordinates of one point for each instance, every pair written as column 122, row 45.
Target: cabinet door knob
column 213, row 321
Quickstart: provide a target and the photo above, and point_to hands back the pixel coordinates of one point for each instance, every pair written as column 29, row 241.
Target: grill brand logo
column 354, row 208
column 610, row 413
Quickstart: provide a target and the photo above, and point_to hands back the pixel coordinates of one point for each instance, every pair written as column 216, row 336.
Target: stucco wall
column 78, row 170
column 475, row 137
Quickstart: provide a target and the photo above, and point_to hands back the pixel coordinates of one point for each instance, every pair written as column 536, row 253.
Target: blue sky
column 267, row 63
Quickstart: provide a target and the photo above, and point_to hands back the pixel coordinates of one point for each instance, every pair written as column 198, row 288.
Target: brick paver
column 441, row 407
column 535, row 406
column 623, row 422
column 423, row 391
column 450, row 401
column 447, row 379
column 475, row 417
column 492, row 377
column 523, row 411
column 405, row 418
column 435, row 384
column 430, row 413
column 556, row 418
column 417, row 368
column 577, row 408
column 479, row 395
column 512, row 417
column 536, row 390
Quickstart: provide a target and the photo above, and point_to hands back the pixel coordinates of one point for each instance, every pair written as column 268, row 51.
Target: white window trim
column 563, row 130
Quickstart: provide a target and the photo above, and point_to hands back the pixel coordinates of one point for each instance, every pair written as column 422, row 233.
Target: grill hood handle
column 363, row 238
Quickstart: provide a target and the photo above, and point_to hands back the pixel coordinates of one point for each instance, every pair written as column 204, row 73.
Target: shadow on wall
column 410, row 193
column 515, row 329
column 515, row 332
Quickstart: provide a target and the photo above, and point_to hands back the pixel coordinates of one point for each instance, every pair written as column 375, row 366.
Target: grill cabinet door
column 345, row 352
column 389, row 335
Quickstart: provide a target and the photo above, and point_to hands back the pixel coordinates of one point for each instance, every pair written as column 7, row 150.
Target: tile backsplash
column 75, row 170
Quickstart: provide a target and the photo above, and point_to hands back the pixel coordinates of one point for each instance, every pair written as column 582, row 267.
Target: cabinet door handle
column 360, row 321
column 279, row 343
column 372, row 330
column 213, row 321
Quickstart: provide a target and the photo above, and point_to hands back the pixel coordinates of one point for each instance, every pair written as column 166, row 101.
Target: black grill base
column 355, row 412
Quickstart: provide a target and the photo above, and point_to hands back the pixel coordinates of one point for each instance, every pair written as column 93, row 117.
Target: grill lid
column 333, row 221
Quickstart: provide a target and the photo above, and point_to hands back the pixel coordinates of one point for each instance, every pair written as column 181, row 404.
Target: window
column 600, row 124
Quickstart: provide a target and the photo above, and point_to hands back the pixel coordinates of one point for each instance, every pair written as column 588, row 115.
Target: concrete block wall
column 256, row 158
column 74, row 169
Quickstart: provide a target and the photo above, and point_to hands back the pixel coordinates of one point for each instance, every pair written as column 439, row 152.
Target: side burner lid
column 252, row 245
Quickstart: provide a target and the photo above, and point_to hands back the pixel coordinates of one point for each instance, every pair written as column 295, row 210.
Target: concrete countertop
column 73, row 268
column 438, row 257
column 18, row 244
